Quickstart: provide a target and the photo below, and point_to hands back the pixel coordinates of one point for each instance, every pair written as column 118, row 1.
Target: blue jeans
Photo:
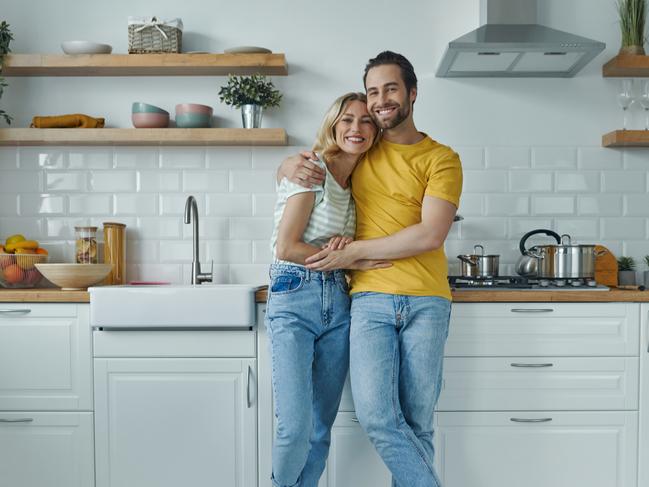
column 307, row 317
column 397, row 347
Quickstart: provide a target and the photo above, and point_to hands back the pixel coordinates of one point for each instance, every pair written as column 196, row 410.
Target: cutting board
column 605, row 266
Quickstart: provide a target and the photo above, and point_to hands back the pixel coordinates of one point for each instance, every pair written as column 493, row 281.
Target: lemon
column 14, row 239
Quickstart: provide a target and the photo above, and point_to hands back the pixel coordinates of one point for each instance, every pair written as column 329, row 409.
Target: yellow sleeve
column 445, row 178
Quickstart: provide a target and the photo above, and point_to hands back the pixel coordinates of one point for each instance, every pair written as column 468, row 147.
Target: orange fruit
column 13, row 274
column 32, row 277
column 2, row 249
column 25, row 251
column 41, row 250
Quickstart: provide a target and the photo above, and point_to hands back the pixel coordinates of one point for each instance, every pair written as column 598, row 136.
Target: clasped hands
column 342, row 253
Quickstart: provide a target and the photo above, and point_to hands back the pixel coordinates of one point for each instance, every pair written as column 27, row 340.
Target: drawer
column 544, row 329
column 539, row 383
column 46, row 359
column 167, row 343
column 10, row 311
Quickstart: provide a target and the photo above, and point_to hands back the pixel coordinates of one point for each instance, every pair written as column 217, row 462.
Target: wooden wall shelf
column 169, row 136
column 626, row 138
column 627, row 66
column 143, row 64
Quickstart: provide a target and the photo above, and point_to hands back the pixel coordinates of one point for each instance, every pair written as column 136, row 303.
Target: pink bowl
column 150, row 120
column 193, row 108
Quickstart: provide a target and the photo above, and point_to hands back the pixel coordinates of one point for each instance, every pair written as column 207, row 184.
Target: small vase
column 646, row 279
column 626, row 278
column 632, row 51
column 251, row 116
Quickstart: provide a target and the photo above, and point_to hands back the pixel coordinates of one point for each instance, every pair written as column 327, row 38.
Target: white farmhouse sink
column 173, row 306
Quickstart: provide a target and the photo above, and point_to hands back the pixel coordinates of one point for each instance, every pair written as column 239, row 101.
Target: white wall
column 530, row 147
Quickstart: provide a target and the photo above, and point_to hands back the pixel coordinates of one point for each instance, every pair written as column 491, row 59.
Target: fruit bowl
column 19, row 270
column 74, row 277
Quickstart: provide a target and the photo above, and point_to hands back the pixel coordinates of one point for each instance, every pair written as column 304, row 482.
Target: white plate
column 85, row 47
column 247, row 49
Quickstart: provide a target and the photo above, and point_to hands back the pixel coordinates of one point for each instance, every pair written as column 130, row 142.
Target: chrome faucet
column 191, row 216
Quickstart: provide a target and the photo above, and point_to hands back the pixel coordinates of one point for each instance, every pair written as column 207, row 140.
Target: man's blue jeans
column 397, row 346
column 307, row 318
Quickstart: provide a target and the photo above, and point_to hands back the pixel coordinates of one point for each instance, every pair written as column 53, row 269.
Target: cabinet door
column 353, row 461
column 46, row 449
column 563, row 449
column 643, row 479
column 45, row 357
column 171, row 422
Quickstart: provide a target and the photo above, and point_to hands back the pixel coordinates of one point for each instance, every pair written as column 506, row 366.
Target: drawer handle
column 530, row 420
column 18, row 420
column 249, row 404
column 355, row 420
column 15, row 311
column 532, row 310
column 532, row 366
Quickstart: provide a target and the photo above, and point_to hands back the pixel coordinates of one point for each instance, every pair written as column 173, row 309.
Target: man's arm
column 300, row 170
column 429, row 234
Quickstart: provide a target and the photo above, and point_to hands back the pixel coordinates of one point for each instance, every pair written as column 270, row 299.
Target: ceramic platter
column 85, row 47
column 247, row 50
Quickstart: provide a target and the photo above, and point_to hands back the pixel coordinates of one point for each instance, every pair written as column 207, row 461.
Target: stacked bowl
column 145, row 116
column 192, row 115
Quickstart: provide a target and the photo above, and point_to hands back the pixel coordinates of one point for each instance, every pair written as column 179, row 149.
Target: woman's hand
column 329, row 259
column 300, row 169
column 338, row 242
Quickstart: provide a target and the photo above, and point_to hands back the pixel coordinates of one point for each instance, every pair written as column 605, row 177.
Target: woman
column 307, row 315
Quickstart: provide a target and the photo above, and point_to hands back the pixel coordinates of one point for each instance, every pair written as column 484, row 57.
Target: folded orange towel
column 76, row 120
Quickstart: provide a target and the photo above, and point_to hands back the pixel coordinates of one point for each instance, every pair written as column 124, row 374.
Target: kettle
column 527, row 264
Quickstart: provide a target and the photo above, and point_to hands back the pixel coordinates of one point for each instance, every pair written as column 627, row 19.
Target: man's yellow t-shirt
column 388, row 186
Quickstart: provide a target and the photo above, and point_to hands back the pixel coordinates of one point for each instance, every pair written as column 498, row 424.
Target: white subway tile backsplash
column 261, row 253
column 520, row 226
column 249, row 274
column 158, row 181
column 553, row 205
column 270, row 158
column 506, row 205
column 472, row 204
column 182, row 158
column 578, row 229
column 507, row 157
column 530, row 182
column 229, row 252
column 66, row 181
column 135, row 204
column 62, row 228
column 623, row 228
column 205, row 181
column 624, row 182
column 228, row 204
column 252, row 181
column 251, row 228
column 637, row 249
column 21, row 182
column 29, row 227
column 155, row 273
column 113, row 181
column 142, row 251
column 90, row 204
column 136, row 158
column 263, row 204
column 636, row 159
column 210, row 229
column 636, row 205
column 598, row 158
column 41, row 204
column 91, row 158
column 34, row 158
column 174, row 204
column 484, row 228
column 471, row 157
column 554, row 157
column 8, row 158
column 599, row 205
column 577, row 182
column 179, row 251
column 220, row 158
column 485, row 182
column 159, row 228
column 8, row 205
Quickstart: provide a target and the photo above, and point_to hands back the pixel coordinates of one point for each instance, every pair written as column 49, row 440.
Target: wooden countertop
column 614, row 295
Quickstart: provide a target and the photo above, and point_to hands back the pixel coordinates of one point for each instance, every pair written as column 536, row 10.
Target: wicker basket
column 152, row 35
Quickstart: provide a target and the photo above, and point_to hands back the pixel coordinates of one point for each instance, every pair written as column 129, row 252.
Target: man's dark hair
column 388, row 57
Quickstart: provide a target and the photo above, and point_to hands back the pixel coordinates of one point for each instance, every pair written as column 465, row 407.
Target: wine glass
column 644, row 102
column 625, row 97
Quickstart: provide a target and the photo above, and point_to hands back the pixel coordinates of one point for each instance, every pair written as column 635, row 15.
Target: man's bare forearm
column 413, row 240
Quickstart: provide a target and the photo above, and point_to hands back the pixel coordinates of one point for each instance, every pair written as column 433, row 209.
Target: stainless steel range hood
column 511, row 44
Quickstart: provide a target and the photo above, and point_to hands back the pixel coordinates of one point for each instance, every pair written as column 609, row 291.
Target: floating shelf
column 143, row 64
column 626, row 66
column 626, row 138
column 169, row 136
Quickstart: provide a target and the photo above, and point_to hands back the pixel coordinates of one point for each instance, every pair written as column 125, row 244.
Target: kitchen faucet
column 191, row 216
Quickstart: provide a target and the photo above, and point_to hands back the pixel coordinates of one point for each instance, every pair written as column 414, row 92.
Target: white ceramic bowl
column 85, row 47
column 74, row 276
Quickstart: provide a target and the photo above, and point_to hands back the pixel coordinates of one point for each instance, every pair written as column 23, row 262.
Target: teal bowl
column 193, row 121
column 139, row 107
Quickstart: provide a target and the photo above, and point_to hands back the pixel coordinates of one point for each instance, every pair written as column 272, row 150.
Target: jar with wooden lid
column 115, row 252
column 85, row 245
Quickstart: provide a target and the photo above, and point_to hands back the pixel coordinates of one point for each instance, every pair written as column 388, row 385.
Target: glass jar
column 86, row 245
column 115, row 252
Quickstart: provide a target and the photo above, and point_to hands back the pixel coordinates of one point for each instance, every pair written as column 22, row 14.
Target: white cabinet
column 643, row 479
column 163, row 422
column 46, row 421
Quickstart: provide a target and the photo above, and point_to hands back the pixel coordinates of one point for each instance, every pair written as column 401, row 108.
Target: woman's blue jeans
column 307, row 318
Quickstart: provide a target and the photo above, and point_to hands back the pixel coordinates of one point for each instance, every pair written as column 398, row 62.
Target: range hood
column 510, row 44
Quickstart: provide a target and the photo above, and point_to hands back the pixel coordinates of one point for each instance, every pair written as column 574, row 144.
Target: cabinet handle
column 18, row 420
column 531, row 365
column 355, row 420
column 530, row 420
column 15, row 311
column 248, row 387
column 532, row 310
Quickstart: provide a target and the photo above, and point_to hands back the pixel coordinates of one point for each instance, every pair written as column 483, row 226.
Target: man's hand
column 329, row 259
column 300, row 170
column 338, row 242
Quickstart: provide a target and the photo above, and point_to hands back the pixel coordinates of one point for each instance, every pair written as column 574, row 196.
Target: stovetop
column 519, row 283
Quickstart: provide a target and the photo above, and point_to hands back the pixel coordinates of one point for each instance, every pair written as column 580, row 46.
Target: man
column 407, row 191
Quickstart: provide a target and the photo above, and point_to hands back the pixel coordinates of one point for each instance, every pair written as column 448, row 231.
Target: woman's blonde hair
column 325, row 142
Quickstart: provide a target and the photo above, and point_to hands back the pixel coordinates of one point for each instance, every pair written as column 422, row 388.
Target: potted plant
column 252, row 94
column 633, row 14
column 626, row 271
column 646, row 273
column 5, row 38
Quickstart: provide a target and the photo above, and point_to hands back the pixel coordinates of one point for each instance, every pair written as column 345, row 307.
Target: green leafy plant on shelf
column 646, row 260
column 625, row 264
column 250, row 90
column 5, row 38
column 633, row 15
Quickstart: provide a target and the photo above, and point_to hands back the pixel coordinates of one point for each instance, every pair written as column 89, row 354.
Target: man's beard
column 402, row 113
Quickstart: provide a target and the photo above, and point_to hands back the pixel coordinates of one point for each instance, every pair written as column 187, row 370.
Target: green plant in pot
column 633, row 14
column 252, row 94
column 646, row 273
column 626, row 271
column 5, row 38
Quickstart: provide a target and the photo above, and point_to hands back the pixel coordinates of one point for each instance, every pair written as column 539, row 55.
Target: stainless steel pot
column 479, row 265
column 565, row 261
column 527, row 264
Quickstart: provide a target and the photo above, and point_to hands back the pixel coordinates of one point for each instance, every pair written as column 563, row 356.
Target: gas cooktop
column 519, row 283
